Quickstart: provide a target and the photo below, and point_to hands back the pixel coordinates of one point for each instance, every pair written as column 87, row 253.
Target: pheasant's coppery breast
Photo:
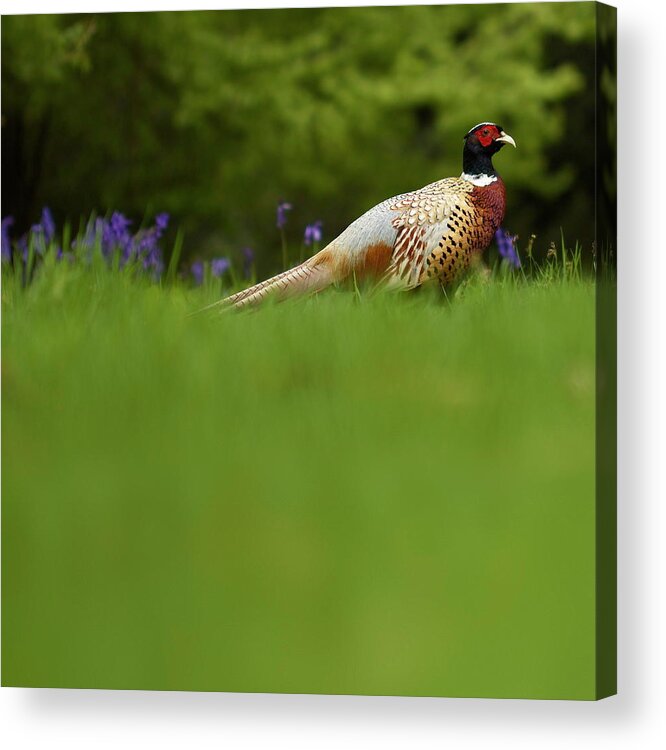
column 490, row 202
column 467, row 231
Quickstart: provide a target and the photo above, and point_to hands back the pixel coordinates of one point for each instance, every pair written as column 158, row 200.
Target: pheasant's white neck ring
column 479, row 180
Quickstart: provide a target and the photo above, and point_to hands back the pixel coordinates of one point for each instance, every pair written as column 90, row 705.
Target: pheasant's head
column 481, row 143
column 488, row 138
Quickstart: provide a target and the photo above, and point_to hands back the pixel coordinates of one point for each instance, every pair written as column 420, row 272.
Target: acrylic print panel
column 392, row 470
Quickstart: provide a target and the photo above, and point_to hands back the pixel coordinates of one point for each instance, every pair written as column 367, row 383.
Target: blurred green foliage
column 215, row 116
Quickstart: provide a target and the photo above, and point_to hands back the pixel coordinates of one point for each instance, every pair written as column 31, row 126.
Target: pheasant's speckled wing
column 431, row 232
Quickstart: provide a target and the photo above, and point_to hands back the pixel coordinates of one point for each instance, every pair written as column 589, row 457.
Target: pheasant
column 432, row 233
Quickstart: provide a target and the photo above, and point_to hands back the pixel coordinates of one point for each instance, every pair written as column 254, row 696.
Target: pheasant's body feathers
column 432, row 233
column 440, row 229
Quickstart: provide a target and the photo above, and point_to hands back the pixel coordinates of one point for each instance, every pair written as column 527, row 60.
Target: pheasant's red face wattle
column 487, row 135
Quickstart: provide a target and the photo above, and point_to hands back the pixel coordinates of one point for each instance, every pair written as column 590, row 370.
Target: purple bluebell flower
column 48, row 224
column 145, row 242
column 197, row 269
column 42, row 234
column 145, row 245
column 150, row 254
column 218, row 266
column 5, row 243
column 119, row 224
column 113, row 234
column 506, row 244
column 248, row 261
column 282, row 209
column 116, row 236
column 161, row 222
column 313, row 233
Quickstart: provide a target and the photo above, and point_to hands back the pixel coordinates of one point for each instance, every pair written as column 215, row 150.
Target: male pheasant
column 432, row 233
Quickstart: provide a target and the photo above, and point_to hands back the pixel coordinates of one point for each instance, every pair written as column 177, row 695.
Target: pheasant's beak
column 505, row 138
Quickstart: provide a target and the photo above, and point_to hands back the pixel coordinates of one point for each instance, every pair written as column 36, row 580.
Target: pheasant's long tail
column 300, row 280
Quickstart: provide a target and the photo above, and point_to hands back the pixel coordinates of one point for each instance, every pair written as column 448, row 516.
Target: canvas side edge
column 606, row 351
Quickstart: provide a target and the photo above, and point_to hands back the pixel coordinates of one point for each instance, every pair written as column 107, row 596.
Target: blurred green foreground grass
column 387, row 495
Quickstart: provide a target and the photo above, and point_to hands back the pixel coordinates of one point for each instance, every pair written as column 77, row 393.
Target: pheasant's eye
column 486, row 131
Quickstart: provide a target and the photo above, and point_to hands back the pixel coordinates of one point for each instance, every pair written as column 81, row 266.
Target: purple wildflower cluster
column 113, row 235
column 119, row 244
column 218, row 266
column 117, row 240
column 313, row 232
column 40, row 235
column 506, row 244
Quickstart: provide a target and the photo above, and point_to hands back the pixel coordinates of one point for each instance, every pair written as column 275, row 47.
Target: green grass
column 387, row 494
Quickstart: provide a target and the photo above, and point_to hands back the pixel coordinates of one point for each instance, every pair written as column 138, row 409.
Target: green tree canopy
column 215, row 116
